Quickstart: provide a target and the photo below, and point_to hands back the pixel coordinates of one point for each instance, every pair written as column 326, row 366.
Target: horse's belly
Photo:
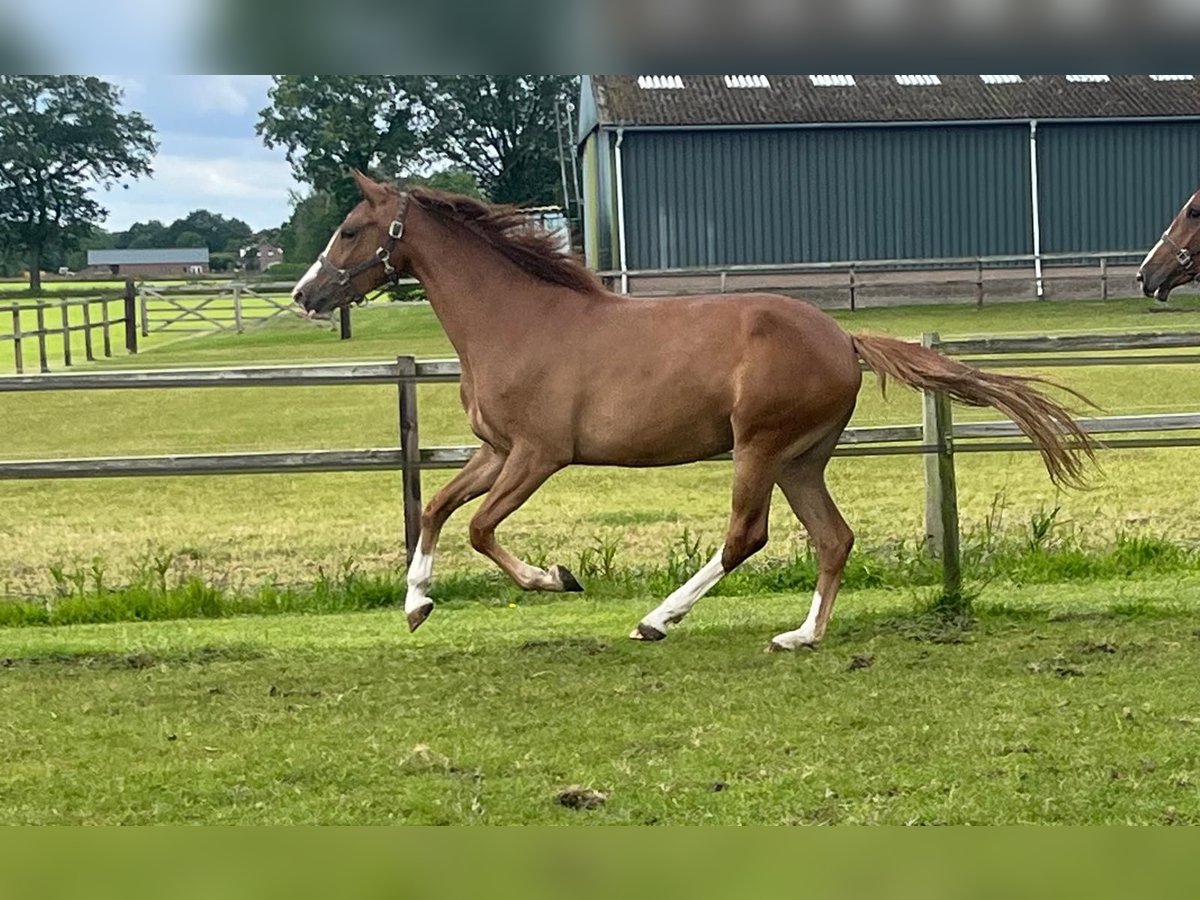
column 641, row 436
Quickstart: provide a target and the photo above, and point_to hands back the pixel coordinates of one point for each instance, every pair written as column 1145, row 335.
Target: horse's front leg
column 475, row 478
column 524, row 472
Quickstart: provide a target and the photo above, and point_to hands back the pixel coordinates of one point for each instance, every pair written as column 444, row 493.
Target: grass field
column 1077, row 704
column 1070, row 698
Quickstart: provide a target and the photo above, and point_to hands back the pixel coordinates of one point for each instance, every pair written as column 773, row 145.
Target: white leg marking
column 806, row 634
column 684, row 598
column 312, row 270
column 420, row 574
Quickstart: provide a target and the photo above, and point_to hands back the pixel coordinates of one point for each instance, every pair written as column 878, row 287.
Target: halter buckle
column 396, row 230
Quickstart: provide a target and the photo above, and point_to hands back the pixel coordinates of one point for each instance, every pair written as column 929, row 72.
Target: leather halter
column 381, row 257
column 1181, row 253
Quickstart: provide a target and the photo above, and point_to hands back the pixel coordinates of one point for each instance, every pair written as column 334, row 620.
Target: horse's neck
column 476, row 294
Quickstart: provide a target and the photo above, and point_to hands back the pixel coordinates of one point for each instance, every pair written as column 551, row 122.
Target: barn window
column 1087, row 79
column 747, row 81
column 660, row 82
column 832, row 80
column 918, row 80
column 1001, row 79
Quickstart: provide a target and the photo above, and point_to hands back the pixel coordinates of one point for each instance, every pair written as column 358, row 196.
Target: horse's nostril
column 1138, row 277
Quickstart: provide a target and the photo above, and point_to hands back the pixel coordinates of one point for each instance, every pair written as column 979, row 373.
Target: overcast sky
column 209, row 156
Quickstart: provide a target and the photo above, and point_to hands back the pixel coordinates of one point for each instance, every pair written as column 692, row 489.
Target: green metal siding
column 709, row 198
column 1113, row 186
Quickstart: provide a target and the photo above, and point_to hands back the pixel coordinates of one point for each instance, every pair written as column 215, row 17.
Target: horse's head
column 364, row 253
column 1171, row 262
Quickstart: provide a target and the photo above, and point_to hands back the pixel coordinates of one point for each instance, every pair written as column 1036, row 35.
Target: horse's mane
column 508, row 230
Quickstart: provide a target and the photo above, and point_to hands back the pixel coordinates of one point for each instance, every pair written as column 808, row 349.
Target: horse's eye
column 349, row 233
column 1193, row 213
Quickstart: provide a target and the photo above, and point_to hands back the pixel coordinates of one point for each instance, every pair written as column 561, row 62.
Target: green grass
column 1068, row 704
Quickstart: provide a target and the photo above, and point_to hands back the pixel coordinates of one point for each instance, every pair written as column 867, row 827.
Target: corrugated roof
column 182, row 255
column 796, row 99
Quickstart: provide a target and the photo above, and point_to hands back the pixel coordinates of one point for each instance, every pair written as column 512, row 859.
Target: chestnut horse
column 557, row 371
column 1170, row 263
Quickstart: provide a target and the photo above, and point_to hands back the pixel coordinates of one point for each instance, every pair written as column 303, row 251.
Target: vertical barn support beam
column 64, row 311
column 43, row 360
column 131, row 326
column 621, row 212
column 941, row 486
column 18, row 356
column 410, row 452
column 1037, row 219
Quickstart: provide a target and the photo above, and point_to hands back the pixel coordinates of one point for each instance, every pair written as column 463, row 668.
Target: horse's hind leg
column 753, row 479
column 523, row 473
column 472, row 480
column 803, row 483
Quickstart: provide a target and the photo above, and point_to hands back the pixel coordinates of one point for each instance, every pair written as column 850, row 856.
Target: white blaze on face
column 315, row 268
column 1150, row 255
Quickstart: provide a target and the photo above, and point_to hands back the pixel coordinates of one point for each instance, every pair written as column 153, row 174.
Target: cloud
column 232, row 176
column 231, row 94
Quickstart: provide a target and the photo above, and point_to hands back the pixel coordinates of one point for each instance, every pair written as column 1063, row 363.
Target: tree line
column 62, row 137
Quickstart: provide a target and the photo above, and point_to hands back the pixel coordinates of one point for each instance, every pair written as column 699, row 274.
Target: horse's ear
column 373, row 192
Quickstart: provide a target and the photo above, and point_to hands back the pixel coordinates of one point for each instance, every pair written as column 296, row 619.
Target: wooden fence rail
column 938, row 438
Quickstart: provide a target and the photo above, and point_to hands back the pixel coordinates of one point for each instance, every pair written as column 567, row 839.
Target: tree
column 313, row 221
column 329, row 124
column 217, row 232
column 190, row 239
column 453, row 180
column 500, row 128
column 60, row 136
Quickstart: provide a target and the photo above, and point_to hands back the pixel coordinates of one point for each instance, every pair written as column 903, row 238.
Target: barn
column 151, row 261
column 712, row 171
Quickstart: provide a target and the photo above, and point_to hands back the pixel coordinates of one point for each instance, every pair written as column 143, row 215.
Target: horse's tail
column 1065, row 447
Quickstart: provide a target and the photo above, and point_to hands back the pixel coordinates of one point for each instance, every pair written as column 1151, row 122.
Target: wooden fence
column 853, row 276
column 50, row 332
column 937, row 437
column 232, row 306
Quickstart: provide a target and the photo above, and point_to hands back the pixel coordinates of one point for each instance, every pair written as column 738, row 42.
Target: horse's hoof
column 417, row 616
column 776, row 647
column 646, row 632
column 568, row 581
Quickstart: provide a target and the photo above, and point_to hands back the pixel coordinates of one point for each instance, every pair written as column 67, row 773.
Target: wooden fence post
column 1103, row 278
column 941, row 488
column 43, row 361
column 131, row 326
column 18, row 356
column 410, row 451
column 64, row 310
column 237, row 307
column 853, row 298
column 87, row 330
column 145, row 304
column 106, row 327
column 344, row 322
column 979, row 282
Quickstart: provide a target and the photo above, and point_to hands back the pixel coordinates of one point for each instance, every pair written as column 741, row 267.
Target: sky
column 209, row 156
